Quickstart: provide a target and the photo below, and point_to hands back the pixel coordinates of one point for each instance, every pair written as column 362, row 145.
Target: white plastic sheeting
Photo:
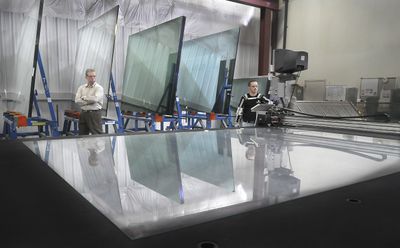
column 17, row 46
column 62, row 20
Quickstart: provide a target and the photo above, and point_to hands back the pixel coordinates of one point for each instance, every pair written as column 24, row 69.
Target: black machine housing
column 288, row 61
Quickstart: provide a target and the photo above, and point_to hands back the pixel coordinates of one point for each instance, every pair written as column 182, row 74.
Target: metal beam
column 268, row 9
column 265, row 41
column 35, row 56
column 269, row 4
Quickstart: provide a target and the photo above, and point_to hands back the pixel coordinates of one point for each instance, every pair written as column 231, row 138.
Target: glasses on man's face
column 91, row 75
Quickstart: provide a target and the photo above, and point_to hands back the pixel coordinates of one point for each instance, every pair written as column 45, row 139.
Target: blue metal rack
column 120, row 123
column 181, row 119
column 14, row 120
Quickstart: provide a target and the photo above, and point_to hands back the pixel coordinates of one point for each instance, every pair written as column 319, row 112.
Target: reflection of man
column 246, row 140
column 99, row 178
column 251, row 151
column 90, row 97
column 93, row 158
column 94, row 146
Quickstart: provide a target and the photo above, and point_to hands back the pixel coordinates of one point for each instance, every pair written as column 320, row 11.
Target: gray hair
column 89, row 71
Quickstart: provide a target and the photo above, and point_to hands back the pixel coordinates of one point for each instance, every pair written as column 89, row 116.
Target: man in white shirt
column 90, row 97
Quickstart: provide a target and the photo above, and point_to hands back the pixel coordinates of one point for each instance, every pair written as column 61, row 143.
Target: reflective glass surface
column 200, row 68
column 95, row 49
column 239, row 88
column 17, row 48
column 207, row 156
column 222, row 172
column 157, row 166
column 151, row 68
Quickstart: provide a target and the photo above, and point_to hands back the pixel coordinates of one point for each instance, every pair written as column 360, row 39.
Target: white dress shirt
column 90, row 97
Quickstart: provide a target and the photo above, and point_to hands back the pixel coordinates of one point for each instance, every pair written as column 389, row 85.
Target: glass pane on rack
column 151, row 68
column 203, row 60
column 95, row 49
column 17, row 47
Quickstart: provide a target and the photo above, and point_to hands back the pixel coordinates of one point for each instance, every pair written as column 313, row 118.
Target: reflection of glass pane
column 98, row 173
column 153, row 162
column 200, row 67
column 17, row 47
column 87, row 165
column 151, row 68
column 207, row 156
column 239, row 88
column 95, row 49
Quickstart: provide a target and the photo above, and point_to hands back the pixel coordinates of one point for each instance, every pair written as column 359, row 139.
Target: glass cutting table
column 155, row 182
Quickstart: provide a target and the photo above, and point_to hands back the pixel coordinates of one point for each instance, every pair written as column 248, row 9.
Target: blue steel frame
column 51, row 126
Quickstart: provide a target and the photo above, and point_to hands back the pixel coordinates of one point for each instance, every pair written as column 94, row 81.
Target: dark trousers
column 90, row 122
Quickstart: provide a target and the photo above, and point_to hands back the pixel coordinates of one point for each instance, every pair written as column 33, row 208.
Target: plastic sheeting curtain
column 17, row 47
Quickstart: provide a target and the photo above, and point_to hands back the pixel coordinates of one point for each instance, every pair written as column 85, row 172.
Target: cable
column 387, row 116
column 294, row 87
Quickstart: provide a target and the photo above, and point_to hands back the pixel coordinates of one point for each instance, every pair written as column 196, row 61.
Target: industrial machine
column 326, row 114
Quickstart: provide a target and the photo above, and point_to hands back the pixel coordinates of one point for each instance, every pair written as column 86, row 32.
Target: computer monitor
column 288, row 61
column 261, row 107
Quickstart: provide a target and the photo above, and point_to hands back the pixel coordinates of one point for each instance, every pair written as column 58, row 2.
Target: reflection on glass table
column 207, row 156
column 98, row 174
column 217, row 173
column 153, row 162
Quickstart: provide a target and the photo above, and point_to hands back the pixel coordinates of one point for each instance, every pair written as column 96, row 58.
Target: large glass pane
column 201, row 66
column 207, row 156
column 95, row 49
column 153, row 162
column 239, row 88
column 135, row 179
column 151, row 68
column 17, row 46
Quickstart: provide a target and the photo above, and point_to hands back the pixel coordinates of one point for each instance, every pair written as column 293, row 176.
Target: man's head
column 251, row 152
column 253, row 87
column 90, row 75
column 93, row 158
